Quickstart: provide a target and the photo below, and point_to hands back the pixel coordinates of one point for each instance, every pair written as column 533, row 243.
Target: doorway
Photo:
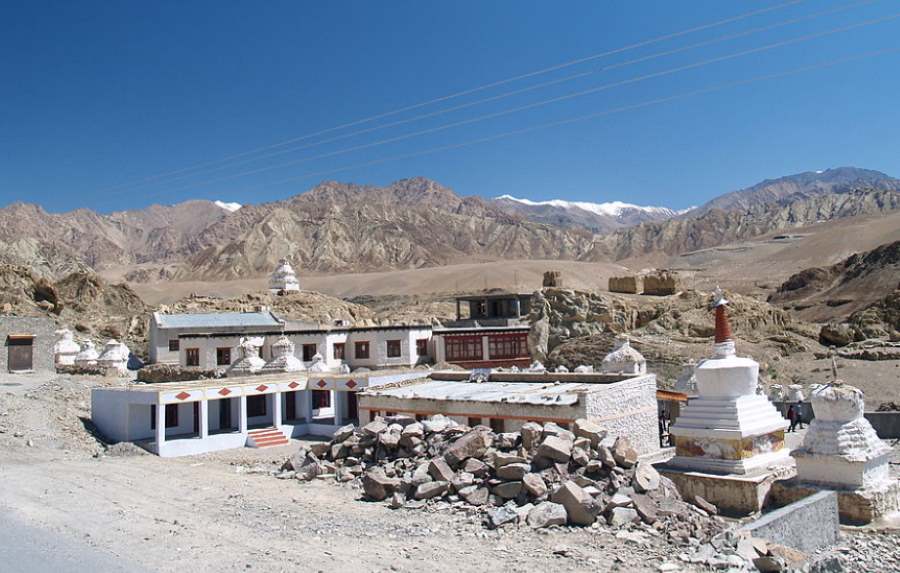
column 20, row 353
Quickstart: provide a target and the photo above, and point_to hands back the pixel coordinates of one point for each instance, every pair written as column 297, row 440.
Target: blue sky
column 98, row 96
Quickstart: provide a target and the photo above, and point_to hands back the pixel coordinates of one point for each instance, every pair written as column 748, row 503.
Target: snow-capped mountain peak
column 230, row 207
column 609, row 208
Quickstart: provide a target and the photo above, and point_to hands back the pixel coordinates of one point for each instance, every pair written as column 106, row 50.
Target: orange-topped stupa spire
column 723, row 327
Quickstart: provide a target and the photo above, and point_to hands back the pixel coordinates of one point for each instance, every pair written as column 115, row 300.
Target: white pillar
column 242, row 416
column 204, row 419
column 338, row 402
column 160, row 427
column 485, row 348
column 308, row 406
column 276, row 409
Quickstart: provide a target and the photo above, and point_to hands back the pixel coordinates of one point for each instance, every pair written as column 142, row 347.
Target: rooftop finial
column 723, row 327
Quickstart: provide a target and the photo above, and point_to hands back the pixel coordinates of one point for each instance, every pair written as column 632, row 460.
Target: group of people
column 795, row 417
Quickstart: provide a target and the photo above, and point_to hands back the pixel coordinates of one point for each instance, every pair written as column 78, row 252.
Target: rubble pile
column 539, row 477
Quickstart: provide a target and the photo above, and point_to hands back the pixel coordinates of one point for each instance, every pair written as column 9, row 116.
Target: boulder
column 421, row 474
column 531, row 435
column 507, row 490
column 374, row 428
column 501, row 459
column 618, row 500
column 513, row 471
column 580, row 457
column 502, row 515
column 432, row 489
column 705, row 505
column 343, row 433
column 475, row 467
column 624, row 454
column 590, row 430
column 581, row 508
column 474, row 495
column 462, row 480
column 645, row 509
column 414, row 430
column 377, row 486
column 621, row 516
column 546, row 514
column 472, row 444
column 552, row 429
column 605, row 456
column 440, row 471
column 534, row 485
column 555, row 448
column 646, row 478
column 436, row 423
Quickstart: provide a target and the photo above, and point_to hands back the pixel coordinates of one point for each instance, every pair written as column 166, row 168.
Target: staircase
column 266, row 438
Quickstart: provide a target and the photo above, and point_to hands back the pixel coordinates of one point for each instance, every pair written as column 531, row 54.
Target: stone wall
column 661, row 283
column 553, row 279
column 808, row 525
column 44, row 332
column 629, row 409
column 628, row 284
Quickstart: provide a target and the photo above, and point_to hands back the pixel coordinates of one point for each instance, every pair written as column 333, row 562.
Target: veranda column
column 276, row 409
column 242, row 421
column 204, row 419
column 339, row 399
column 160, row 427
column 308, row 406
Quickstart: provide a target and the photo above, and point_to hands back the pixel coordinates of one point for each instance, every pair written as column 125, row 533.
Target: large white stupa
column 115, row 356
column 66, row 349
column 729, row 428
column 249, row 362
column 88, row 355
column 284, row 279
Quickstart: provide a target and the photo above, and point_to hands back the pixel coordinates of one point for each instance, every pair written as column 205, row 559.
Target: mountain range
column 341, row 227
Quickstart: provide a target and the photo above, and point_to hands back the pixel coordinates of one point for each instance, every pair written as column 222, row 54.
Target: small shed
column 27, row 344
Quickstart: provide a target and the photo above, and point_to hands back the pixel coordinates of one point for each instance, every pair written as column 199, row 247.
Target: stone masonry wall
column 630, row 284
column 628, row 409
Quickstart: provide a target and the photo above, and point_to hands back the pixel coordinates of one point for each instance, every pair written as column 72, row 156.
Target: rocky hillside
column 716, row 227
column 800, row 186
column 838, row 290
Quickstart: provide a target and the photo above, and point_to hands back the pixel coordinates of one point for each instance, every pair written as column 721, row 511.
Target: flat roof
column 543, row 394
column 541, row 377
column 480, row 329
column 217, row 319
column 495, row 296
column 323, row 329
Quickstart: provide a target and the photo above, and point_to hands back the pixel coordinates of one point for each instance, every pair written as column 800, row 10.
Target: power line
column 581, row 93
column 465, row 92
column 531, row 88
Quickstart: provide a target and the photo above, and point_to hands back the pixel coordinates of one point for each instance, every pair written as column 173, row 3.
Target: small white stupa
column 66, row 349
column 115, row 356
column 776, row 393
column 624, row 359
column 728, row 428
column 283, row 359
column 249, row 362
column 284, row 279
column 795, row 393
column 318, row 363
column 88, row 355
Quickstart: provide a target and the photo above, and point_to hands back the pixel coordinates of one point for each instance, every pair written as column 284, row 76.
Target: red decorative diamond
column 182, row 395
column 224, row 391
column 321, row 383
column 293, row 385
column 351, row 384
column 262, row 388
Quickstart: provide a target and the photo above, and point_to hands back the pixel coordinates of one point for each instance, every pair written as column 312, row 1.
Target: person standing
column 798, row 409
column 792, row 417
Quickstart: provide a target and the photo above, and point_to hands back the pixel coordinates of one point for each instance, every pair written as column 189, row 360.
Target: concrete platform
column 735, row 495
column 855, row 506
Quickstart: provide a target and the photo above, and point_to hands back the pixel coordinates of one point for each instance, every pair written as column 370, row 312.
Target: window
column 321, row 399
column 174, row 345
column 223, row 356
column 508, row 345
column 256, row 406
column 362, row 349
column 393, row 349
column 460, row 348
column 192, row 357
column 497, row 425
column 171, row 416
column 309, row 350
column 339, row 350
column 422, row 347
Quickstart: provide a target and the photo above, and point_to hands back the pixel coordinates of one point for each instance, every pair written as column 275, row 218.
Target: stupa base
column 855, row 506
column 735, row 495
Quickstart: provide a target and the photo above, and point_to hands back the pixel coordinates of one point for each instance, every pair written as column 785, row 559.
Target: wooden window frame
column 307, row 357
column 223, row 356
column 508, row 346
column 339, row 349
column 174, row 345
column 361, row 355
column 192, row 357
column 421, row 347
column 394, row 348
column 321, row 399
column 463, row 348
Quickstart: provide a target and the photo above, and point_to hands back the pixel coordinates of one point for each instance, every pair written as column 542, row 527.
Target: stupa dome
column 624, row 358
column 284, row 278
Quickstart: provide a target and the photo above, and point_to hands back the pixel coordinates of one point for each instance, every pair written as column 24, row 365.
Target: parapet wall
column 629, row 284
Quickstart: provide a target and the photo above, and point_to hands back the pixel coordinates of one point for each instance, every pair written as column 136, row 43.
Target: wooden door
column 290, row 405
column 20, row 354
column 225, row 413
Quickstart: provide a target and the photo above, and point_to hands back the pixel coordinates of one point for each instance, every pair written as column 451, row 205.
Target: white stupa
column 249, row 362
column 115, row 356
column 88, row 355
column 318, row 363
column 795, row 393
column 776, row 393
column 284, row 279
column 66, row 349
column 728, row 428
column 624, row 359
column 283, row 359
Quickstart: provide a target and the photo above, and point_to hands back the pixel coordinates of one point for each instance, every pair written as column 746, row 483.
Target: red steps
column 266, row 438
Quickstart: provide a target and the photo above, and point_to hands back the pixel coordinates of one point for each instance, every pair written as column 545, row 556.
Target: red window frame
column 502, row 346
column 463, row 348
column 422, row 347
column 393, row 348
column 339, row 349
column 192, row 357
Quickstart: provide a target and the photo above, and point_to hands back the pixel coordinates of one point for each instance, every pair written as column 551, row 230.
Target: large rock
column 546, row 514
column 836, row 334
column 472, row 444
column 502, row 515
column 624, row 454
column 534, row 485
column 620, row 516
column 605, row 456
column 475, row 495
column 501, row 459
column 590, row 430
column 440, row 471
column 436, row 423
column 343, row 433
column 377, row 485
column 374, row 428
column 462, row 480
column 513, row 471
column 531, row 435
column 646, row 478
column 555, row 448
column 432, row 489
column 475, row 467
column 645, row 508
column 507, row 490
column 581, row 508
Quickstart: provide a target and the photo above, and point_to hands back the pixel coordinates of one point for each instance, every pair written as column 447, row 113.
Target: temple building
column 728, row 438
column 284, row 279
